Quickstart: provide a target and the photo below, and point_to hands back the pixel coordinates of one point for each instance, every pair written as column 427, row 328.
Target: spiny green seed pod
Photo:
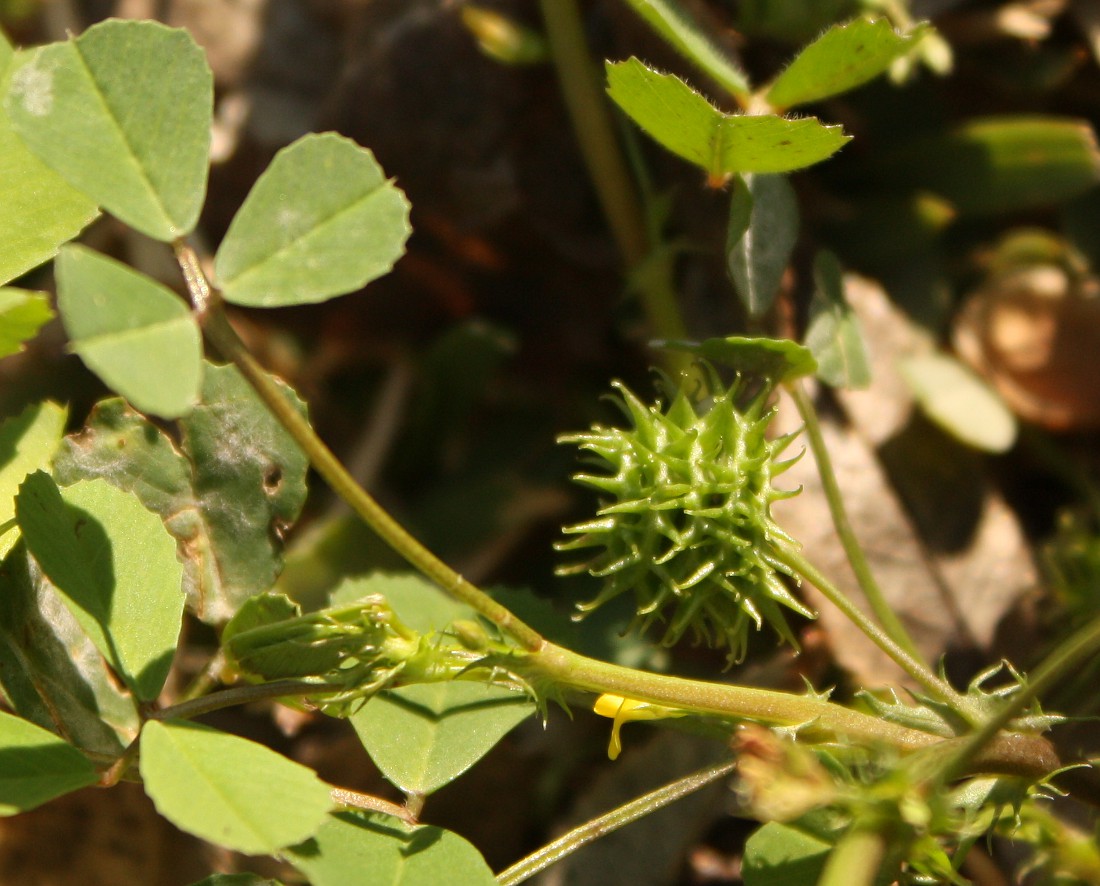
column 686, row 521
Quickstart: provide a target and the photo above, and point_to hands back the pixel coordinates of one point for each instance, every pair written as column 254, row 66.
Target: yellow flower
column 622, row 710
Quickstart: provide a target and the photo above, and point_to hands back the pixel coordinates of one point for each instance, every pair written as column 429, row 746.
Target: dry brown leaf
column 1035, row 335
column 949, row 555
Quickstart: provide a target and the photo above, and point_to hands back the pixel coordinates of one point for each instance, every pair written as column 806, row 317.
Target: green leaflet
column 775, row 359
column 425, row 736
column 36, row 766
column 321, row 221
column 780, row 855
column 41, row 210
column 763, row 230
column 50, row 672
column 355, row 849
column 844, row 57
column 960, row 402
column 228, row 790
column 136, row 335
column 116, row 568
column 22, row 314
column 721, row 144
column 28, row 442
column 123, row 113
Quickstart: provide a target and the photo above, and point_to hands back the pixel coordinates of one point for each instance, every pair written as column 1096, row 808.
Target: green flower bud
column 686, row 520
column 360, row 647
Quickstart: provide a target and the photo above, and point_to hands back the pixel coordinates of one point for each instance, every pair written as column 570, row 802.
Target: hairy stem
column 858, row 560
column 598, row 827
column 369, row 803
column 912, row 666
column 1073, row 652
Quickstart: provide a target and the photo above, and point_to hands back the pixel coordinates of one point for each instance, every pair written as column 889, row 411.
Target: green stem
column 912, row 666
column 649, row 265
column 225, row 339
column 1069, row 655
column 369, row 803
column 856, row 859
column 862, row 569
column 592, row 830
column 240, row 695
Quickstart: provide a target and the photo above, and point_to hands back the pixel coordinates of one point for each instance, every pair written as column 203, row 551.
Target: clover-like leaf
column 41, row 210
column 425, row 736
column 50, row 672
column 22, row 314
column 123, row 113
column 356, row 849
column 36, row 766
column 136, row 335
column 844, row 57
column 722, row 144
column 116, row 567
column 28, row 442
column 321, row 221
column 228, row 790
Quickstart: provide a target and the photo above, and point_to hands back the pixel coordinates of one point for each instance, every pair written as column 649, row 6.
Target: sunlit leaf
column 426, row 735
column 228, row 790
column 123, row 112
column 354, row 849
column 22, row 314
column 28, row 442
column 321, row 221
column 721, row 144
column 833, row 333
column 844, row 57
column 41, row 210
column 763, row 230
column 960, row 402
column 136, row 335
column 36, row 766
column 116, row 567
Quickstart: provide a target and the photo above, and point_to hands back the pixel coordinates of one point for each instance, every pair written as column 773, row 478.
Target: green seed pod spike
column 685, row 519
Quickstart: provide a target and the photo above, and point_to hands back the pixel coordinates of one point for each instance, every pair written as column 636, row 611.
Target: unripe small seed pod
column 685, row 523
